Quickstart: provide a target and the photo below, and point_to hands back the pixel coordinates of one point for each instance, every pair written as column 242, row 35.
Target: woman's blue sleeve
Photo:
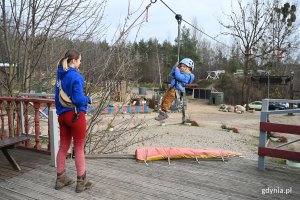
column 78, row 97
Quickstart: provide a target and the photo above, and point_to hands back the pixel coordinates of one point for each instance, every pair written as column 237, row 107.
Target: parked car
column 277, row 106
column 295, row 106
column 286, row 105
column 255, row 105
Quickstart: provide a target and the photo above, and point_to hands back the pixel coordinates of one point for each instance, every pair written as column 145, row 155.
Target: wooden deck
column 127, row 179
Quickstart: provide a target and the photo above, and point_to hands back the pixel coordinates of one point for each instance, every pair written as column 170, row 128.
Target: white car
column 255, row 105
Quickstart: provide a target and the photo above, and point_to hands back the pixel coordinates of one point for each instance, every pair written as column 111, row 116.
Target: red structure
column 15, row 110
column 278, row 153
column 266, row 126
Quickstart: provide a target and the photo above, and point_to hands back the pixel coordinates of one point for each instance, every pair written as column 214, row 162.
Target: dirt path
column 209, row 134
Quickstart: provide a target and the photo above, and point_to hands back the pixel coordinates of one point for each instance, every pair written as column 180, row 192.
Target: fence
column 18, row 115
column 267, row 126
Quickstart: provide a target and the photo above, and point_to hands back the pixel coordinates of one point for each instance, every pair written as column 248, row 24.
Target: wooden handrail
column 17, row 116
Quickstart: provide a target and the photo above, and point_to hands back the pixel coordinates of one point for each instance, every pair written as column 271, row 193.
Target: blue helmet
column 188, row 62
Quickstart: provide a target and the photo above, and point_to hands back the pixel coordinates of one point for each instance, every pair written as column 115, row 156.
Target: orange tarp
column 160, row 153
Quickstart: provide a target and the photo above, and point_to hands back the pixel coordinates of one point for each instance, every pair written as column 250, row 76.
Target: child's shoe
column 162, row 115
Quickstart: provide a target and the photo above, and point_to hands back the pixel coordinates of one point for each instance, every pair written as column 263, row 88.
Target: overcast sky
column 161, row 21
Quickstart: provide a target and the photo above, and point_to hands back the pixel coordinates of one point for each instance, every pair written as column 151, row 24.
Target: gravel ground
column 209, row 134
column 198, row 137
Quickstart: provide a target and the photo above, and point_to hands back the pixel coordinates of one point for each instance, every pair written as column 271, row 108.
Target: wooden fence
column 16, row 114
column 267, row 126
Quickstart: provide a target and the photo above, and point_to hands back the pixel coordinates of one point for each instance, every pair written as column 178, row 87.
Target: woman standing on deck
column 72, row 122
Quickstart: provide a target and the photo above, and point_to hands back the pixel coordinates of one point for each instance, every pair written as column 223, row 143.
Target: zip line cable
column 133, row 23
column 213, row 38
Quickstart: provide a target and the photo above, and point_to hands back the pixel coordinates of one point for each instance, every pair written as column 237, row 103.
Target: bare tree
column 248, row 26
column 119, row 65
column 27, row 25
column 283, row 39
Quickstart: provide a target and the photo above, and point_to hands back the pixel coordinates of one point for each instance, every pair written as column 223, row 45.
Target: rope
column 213, row 38
column 146, row 10
column 168, row 7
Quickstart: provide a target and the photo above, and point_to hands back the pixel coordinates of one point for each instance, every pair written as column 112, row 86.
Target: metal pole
column 269, row 84
column 178, row 17
column 158, row 63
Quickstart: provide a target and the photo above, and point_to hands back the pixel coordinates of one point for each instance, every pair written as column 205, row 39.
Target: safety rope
column 178, row 17
column 133, row 23
column 213, row 38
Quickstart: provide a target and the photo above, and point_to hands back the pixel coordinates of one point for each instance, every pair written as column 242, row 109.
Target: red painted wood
column 36, row 106
column 49, row 143
column 2, row 127
column 13, row 105
column 281, row 128
column 2, row 121
column 27, row 143
column 9, row 119
column 279, row 153
column 37, row 100
column 18, row 118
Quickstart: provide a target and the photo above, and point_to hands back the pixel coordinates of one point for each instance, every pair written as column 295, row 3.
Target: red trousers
column 69, row 130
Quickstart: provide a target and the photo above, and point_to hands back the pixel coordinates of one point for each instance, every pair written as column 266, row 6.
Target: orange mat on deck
column 160, row 153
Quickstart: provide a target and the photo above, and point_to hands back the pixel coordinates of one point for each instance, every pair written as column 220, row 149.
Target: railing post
column 37, row 125
column 27, row 143
column 22, row 120
column 49, row 141
column 9, row 119
column 263, row 135
column 2, row 122
column 53, row 136
column 18, row 118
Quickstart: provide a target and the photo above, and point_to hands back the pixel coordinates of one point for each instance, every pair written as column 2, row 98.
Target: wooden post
column 49, row 139
column 9, row 119
column 53, row 136
column 27, row 143
column 22, row 120
column 37, row 126
column 263, row 134
column 18, row 118
column 2, row 122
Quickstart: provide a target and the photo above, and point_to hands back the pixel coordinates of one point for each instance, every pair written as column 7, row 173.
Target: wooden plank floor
column 127, row 179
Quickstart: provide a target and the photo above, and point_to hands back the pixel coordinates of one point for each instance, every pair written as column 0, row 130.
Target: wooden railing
column 16, row 113
column 267, row 126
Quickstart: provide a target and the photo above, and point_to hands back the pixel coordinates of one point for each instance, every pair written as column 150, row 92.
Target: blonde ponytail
column 70, row 55
column 65, row 64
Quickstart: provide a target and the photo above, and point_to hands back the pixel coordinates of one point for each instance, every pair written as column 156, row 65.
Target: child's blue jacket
column 180, row 79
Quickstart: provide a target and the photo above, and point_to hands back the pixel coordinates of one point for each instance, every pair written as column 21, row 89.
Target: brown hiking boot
column 63, row 180
column 82, row 183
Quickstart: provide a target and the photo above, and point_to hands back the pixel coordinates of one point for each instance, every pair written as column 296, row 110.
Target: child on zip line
column 181, row 76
